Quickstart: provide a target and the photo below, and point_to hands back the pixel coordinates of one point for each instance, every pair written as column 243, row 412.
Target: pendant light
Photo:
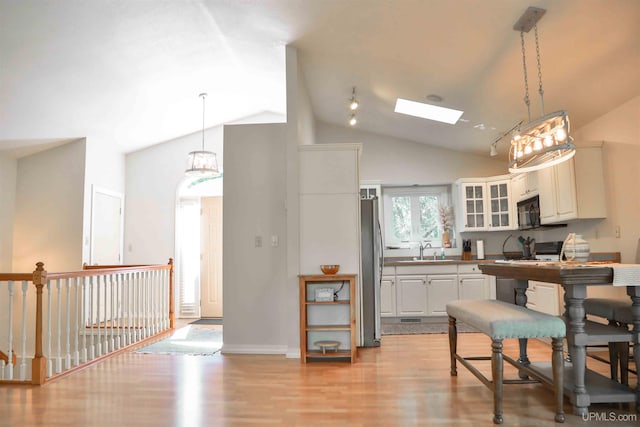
column 202, row 163
column 545, row 141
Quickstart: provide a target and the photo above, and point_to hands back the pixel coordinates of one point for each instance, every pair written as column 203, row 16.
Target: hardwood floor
column 405, row 382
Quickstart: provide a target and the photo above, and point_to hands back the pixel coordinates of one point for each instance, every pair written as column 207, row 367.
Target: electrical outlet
column 617, row 231
column 274, row 241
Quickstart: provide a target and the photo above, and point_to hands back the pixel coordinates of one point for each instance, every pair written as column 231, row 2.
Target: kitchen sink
column 414, row 261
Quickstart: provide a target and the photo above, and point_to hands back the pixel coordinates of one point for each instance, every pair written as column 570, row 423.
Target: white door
column 441, row 288
column 211, row 259
column 106, row 227
column 387, row 296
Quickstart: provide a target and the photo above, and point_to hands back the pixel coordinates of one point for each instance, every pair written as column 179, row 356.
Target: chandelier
column 202, row 163
column 545, row 141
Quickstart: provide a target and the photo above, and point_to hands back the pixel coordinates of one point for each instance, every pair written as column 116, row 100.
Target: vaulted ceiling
column 128, row 73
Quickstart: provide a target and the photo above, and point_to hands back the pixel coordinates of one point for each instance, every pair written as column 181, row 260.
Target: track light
column 352, row 120
column 353, row 102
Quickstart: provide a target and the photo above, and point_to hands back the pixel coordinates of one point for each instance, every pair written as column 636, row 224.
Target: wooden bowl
column 330, row 268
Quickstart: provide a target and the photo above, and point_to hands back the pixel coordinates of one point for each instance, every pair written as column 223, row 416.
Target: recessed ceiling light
column 434, row 98
column 427, row 111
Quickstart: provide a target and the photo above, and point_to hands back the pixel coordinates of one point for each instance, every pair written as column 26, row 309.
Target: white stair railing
column 79, row 316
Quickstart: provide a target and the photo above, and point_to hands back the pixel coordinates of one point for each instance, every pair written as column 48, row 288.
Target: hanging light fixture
column 353, row 102
column 545, row 141
column 202, row 163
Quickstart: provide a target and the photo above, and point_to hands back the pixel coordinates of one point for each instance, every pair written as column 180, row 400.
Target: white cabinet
column 441, row 288
column 573, row 189
column 486, row 204
column 472, row 284
column 411, row 295
column 500, row 205
column 473, row 204
column 544, row 297
column 388, row 296
column 524, row 186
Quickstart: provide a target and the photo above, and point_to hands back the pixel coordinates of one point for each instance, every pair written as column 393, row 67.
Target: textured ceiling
column 129, row 73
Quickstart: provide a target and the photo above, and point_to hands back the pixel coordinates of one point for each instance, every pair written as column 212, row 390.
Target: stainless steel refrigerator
column 372, row 257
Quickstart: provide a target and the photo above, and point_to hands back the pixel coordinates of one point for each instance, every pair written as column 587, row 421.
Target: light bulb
column 537, row 144
column 548, row 140
column 561, row 135
column 354, row 104
column 516, row 137
column 528, row 149
column 353, row 120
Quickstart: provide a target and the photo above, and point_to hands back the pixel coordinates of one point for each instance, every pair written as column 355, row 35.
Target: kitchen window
column 412, row 214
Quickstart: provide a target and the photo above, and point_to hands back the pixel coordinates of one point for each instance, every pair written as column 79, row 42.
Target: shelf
column 315, row 314
column 330, row 354
column 328, row 327
column 342, row 302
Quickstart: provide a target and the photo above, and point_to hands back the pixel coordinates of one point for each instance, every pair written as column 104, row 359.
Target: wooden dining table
column 583, row 386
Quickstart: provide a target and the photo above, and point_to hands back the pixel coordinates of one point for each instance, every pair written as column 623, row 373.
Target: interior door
column 211, row 257
column 106, row 227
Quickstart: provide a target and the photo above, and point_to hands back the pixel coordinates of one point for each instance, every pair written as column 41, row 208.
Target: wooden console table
column 583, row 386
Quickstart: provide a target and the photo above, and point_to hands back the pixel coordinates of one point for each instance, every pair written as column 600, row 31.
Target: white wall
column 153, row 176
column 48, row 224
column 396, row 161
column 255, row 282
column 8, row 171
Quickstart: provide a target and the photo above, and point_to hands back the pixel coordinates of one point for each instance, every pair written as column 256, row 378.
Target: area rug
column 206, row 322
column 189, row 340
column 422, row 328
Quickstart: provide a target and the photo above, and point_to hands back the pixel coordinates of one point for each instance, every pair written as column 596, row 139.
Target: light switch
column 274, row 241
column 258, row 241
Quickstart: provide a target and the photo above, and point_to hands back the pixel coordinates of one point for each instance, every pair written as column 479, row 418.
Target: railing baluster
column 78, row 322
column 48, row 317
column 99, row 316
column 67, row 353
column 58, row 326
column 89, row 330
column 112, row 302
column 83, row 323
column 23, row 351
column 10, row 350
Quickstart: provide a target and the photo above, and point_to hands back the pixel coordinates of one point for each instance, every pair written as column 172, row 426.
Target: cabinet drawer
column 389, row 270
column 427, row 269
column 468, row 268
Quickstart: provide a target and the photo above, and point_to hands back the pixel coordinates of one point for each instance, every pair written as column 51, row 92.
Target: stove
column 548, row 251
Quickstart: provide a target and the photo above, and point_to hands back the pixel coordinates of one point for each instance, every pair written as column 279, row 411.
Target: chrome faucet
column 422, row 248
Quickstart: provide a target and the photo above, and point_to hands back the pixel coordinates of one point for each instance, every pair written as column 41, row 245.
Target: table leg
column 521, row 300
column 577, row 339
column 634, row 293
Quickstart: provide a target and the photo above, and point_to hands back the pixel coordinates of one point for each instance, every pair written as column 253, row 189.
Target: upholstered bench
column 617, row 313
column 500, row 320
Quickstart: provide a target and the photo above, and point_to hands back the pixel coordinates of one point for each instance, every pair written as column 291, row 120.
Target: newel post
column 172, row 315
column 38, row 365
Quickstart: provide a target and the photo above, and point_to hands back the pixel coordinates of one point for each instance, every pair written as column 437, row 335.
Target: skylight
column 427, row 111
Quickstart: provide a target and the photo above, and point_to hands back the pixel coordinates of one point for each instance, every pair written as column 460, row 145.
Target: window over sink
column 412, row 215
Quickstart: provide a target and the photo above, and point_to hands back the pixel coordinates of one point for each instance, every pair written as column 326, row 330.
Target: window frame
column 443, row 192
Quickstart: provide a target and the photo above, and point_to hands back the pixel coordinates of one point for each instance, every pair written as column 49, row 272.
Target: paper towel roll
column 480, row 249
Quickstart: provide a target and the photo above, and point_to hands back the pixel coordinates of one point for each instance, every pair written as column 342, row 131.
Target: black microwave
column 529, row 213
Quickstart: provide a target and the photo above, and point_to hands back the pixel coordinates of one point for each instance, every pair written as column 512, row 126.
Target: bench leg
column 453, row 344
column 496, row 373
column 557, row 366
column 613, row 355
column 623, row 351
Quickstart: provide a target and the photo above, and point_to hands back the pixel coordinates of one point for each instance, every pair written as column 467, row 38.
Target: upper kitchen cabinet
column 485, row 204
column 524, row 186
column 573, row 189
